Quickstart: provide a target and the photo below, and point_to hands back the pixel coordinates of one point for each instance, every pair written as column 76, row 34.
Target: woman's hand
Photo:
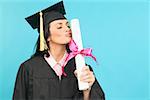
column 86, row 76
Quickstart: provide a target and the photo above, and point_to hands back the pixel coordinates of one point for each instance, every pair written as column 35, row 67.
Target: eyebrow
column 58, row 23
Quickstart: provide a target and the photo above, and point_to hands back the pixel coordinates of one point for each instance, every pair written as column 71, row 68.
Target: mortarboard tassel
column 43, row 45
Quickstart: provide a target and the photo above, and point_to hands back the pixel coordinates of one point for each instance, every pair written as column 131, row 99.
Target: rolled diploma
column 79, row 59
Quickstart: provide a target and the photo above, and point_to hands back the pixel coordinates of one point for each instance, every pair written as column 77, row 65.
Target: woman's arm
column 94, row 92
column 20, row 90
column 86, row 94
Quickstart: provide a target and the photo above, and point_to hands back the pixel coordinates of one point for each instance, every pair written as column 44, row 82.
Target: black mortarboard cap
column 50, row 14
column 41, row 20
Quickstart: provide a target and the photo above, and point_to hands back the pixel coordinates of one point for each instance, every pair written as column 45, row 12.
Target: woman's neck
column 57, row 51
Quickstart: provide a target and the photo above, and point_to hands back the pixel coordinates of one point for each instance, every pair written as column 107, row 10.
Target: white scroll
column 79, row 59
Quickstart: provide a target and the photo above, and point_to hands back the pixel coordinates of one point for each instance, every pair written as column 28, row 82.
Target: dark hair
column 37, row 45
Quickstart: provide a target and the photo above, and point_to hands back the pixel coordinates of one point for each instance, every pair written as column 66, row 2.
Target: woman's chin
column 64, row 41
column 68, row 40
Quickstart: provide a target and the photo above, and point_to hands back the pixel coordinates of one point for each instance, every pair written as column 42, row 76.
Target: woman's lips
column 69, row 34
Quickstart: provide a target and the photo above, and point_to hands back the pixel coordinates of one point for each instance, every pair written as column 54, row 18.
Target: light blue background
column 118, row 32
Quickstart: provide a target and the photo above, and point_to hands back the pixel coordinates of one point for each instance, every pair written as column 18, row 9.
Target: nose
column 68, row 29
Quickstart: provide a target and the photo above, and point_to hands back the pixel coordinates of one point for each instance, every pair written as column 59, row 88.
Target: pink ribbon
column 74, row 51
column 85, row 52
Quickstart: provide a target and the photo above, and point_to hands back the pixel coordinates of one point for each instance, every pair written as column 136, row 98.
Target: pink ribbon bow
column 74, row 51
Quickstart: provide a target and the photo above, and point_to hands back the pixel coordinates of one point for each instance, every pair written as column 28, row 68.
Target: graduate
column 46, row 75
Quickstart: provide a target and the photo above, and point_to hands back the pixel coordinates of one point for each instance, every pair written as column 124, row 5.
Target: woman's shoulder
column 33, row 61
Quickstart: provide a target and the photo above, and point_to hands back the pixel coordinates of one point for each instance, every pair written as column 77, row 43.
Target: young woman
column 44, row 76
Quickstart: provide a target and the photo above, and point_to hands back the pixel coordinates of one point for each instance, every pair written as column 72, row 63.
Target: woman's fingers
column 85, row 68
column 86, row 75
column 75, row 73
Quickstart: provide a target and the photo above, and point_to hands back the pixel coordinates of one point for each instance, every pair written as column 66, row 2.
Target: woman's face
column 60, row 32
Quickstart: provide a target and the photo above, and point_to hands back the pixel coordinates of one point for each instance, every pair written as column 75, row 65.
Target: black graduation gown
column 36, row 80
